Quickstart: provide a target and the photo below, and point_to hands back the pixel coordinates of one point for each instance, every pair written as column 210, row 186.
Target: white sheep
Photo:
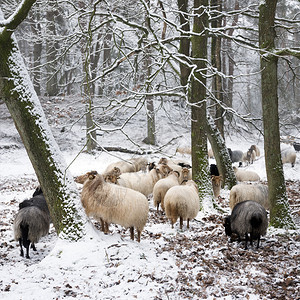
column 162, row 186
column 255, row 192
column 112, row 203
column 184, row 150
column 216, row 184
column 288, row 155
column 249, row 156
column 256, row 149
column 245, row 175
column 185, row 175
column 173, row 165
column 130, row 165
column 111, row 176
column 141, row 182
column 181, row 166
column 182, row 201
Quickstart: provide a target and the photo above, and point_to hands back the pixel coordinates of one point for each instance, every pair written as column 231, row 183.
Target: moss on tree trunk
column 198, row 100
column 280, row 215
column 58, row 186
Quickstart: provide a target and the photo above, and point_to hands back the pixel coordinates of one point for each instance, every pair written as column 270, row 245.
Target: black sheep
column 247, row 217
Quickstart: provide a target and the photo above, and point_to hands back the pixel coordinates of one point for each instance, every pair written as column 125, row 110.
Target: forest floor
column 195, row 263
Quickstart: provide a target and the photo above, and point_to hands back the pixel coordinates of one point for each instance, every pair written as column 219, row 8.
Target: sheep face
column 185, row 174
column 163, row 170
column 216, row 184
column 81, row 179
column 111, row 178
column 163, row 161
column 151, row 166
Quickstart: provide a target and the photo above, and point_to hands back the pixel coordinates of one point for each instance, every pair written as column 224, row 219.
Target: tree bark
column 151, row 134
column 280, row 215
column 184, row 47
column 57, row 184
column 51, row 51
column 217, row 64
column 198, row 104
column 221, row 154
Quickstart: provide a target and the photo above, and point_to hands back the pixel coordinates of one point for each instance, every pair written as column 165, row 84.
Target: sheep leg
column 132, row 233
column 181, row 222
column 102, row 225
column 33, row 247
column 138, row 235
column 27, row 250
column 246, row 241
column 106, row 229
column 251, row 239
column 188, row 223
column 20, row 243
column 258, row 239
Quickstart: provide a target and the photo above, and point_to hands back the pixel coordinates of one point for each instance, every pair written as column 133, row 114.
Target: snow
column 168, row 263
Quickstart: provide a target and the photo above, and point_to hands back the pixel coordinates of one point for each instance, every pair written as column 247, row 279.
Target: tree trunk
column 88, row 87
column 37, row 51
column 280, row 215
column 151, row 135
column 198, row 105
column 52, row 52
column 217, row 64
column 184, row 47
column 227, row 47
column 221, row 154
column 18, row 93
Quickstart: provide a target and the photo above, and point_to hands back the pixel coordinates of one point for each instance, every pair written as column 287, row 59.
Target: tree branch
column 288, row 51
column 16, row 18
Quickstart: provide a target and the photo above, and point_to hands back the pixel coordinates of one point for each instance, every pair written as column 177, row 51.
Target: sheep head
column 163, row 161
column 164, row 170
column 81, row 179
column 92, row 175
column 116, row 172
column 216, row 179
column 151, row 166
column 185, row 174
column 111, row 178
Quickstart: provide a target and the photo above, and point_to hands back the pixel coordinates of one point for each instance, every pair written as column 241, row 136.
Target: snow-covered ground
column 195, row 263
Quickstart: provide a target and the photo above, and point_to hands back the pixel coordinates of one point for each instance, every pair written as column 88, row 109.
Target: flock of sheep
column 120, row 196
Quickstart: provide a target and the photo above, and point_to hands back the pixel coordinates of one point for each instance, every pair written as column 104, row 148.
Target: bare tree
column 280, row 215
column 18, row 93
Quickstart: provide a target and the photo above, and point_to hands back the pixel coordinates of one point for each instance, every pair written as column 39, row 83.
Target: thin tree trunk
column 280, row 215
column 228, row 86
column 151, row 136
column 216, row 63
column 52, row 51
column 222, row 157
column 184, row 47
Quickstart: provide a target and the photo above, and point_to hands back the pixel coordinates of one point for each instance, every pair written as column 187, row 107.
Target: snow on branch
column 16, row 18
column 288, row 51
